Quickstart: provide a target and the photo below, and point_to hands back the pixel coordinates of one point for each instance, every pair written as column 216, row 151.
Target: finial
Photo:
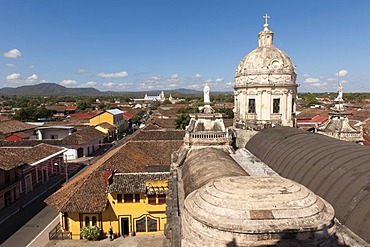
column 266, row 25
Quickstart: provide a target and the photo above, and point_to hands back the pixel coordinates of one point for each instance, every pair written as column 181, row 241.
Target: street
column 22, row 227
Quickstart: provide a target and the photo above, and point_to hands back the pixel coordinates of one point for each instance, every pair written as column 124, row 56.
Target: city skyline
column 132, row 46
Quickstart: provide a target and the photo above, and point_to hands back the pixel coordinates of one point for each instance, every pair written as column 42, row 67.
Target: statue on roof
column 206, row 95
column 340, row 92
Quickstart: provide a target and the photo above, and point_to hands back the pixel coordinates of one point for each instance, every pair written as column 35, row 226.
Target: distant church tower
column 338, row 125
column 265, row 87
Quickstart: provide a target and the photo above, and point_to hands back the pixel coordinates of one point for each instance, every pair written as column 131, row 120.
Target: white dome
column 266, row 64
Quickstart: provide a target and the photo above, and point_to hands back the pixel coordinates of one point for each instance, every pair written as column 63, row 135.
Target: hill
column 53, row 89
column 47, row 89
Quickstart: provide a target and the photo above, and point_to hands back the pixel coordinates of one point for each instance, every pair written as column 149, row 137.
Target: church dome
column 257, row 211
column 266, row 64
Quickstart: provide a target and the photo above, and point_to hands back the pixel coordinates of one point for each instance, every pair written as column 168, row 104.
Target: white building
column 265, row 86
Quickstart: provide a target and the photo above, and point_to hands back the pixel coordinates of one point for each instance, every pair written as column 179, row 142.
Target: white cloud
column 208, row 81
column 319, row 85
column 108, row 84
column 331, row 79
column 15, row 77
column 68, row 82
column 174, row 76
column 342, row 73
column 155, row 78
column 10, row 65
column 13, row 53
column 344, row 81
column 88, row 84
column 81, row 71
column 306, row 75
column 125, row 84
column 32, row 79
column 229, row 84
column 31, row 66
column 198, row 76
column 312, row 80
column 219, row 80
column 121, row 74
column 194, row 86
column 173, row 85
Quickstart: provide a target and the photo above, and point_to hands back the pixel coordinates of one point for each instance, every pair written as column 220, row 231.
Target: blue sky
column 144, row 45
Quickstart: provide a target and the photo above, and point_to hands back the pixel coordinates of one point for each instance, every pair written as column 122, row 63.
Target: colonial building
column 125, row 190
column 216, row 202
column 265, row 88
column 24, row 168
column 113, row 117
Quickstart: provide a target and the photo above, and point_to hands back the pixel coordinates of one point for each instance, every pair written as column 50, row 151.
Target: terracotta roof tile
column 134, row 182
column 12, row 126
column 84, row 192
column 127, row 115
column 159, row 134
column 309, row 113
column 84, row 136
column 13, row 157
column 106, row 125
column 168, row 123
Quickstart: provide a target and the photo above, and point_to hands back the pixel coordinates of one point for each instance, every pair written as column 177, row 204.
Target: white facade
column 265, row 87
column 53, row 132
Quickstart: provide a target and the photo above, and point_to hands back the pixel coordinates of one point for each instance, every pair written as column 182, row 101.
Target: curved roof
column 265, row 60
column 205, row 165
column 336, row 170
column 259, row 209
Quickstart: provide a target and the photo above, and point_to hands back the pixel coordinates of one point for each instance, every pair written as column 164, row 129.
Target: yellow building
column 113, row 117
column 138, row 200
column 136, row 205
column 107, row 129
column 131, row 200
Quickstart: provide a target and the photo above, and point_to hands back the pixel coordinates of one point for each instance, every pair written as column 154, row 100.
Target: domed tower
column 265, row 86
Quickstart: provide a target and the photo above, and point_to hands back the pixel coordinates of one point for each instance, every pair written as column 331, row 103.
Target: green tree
column 183, row 117
column 83, row 105
column 136, row 118
column 33, row 113
column 227, row 111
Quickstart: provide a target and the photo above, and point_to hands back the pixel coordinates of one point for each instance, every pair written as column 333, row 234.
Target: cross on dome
column 266, row 17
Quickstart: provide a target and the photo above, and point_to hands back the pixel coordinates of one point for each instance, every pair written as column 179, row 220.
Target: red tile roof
column 315, row 120
column 17, row 136
column 127, row 115
column 13, row 157
column 71, row 108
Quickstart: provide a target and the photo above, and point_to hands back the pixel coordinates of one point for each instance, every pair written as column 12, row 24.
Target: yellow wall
column 115, row 211
column 101, row 118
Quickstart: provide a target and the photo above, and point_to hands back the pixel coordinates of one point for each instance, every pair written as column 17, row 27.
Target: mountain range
column 53, row 89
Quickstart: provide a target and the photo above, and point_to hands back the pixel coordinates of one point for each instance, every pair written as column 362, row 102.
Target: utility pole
column 66, row 166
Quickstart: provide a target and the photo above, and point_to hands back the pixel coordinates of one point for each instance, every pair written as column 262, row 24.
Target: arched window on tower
column 276, row 106
column 252, row 106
